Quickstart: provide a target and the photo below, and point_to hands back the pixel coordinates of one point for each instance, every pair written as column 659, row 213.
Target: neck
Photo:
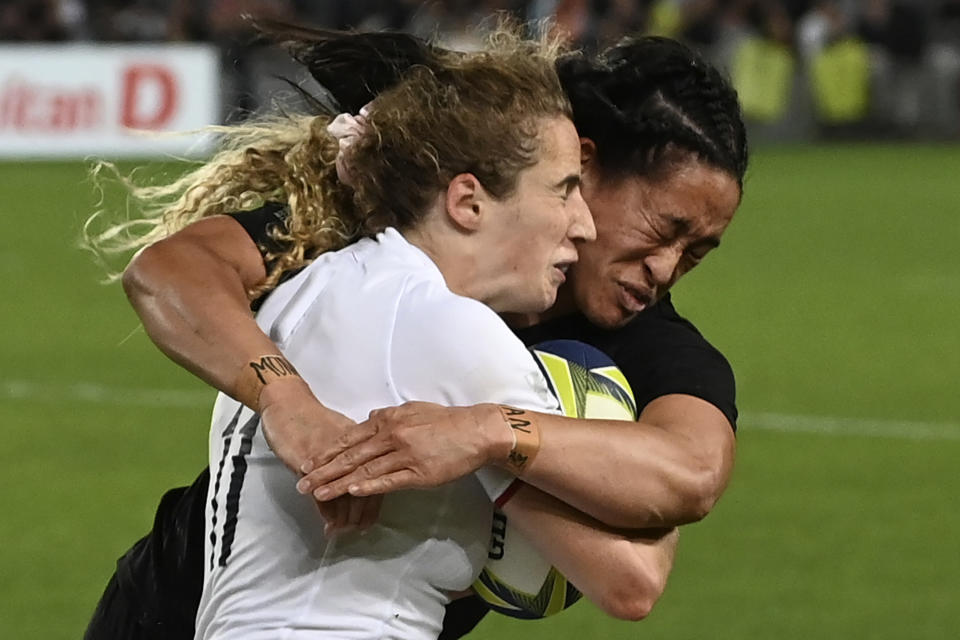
column 521, row 320
column 453, row 257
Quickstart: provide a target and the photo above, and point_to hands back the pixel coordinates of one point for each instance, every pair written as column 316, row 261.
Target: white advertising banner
column 106, row 100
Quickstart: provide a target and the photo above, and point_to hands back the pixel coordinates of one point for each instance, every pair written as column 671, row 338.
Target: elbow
column 633, row 609
column 136, row 277
column 699, row 502
column 634, row 590
column 632, row 599
column 685, row 493
column 701, row 490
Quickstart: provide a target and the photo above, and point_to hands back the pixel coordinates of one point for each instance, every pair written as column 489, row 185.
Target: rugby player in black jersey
column 664, row 156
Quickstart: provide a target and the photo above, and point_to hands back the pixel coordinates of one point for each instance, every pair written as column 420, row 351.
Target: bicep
column 216, row 248
column 699, row 427
column 224, row 240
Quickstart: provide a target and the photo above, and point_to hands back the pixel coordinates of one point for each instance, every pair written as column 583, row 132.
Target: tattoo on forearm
column 256, row 374
column 526, row 434
column 276, row 365
column 516, row 418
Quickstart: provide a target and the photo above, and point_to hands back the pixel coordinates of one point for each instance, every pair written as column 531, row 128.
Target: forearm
column 666, row 470
column 623, row 573
column 192, row 299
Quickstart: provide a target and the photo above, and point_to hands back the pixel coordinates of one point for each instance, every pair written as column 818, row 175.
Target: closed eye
column 698, row 252
column 567, row 186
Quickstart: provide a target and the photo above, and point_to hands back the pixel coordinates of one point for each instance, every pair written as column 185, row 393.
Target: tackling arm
column 622, row 572
column 190, row 292
column 666, row 470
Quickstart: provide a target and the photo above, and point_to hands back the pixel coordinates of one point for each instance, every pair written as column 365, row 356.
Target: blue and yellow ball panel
column 585, row 381
column 554, row 596
column 516, row 580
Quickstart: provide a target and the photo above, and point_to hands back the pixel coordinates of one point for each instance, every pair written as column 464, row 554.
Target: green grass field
column 836, row 296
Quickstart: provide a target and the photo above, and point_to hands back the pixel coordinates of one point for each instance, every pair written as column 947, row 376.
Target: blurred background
column 836, row 297
column 805, row 68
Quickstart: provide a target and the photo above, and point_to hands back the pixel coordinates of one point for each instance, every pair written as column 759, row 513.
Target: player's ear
column 590, row 173
column 466, row 201
column 588, row 153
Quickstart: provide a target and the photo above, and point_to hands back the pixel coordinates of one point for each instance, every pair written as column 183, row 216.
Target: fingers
column 327, row 486
column 363, row 462
column 371, row 511
column 345, row 442
column 328, row 510
column 357, row 444
column 343, row 514
column 349, row 513
column 334, row 514
column 402, row 479
column 354, row 511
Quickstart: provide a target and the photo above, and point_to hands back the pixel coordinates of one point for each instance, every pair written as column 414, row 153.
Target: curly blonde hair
column 447, row 114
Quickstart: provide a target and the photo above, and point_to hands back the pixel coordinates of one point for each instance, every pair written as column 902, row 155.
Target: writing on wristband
column 257, row 374
column 526, row 433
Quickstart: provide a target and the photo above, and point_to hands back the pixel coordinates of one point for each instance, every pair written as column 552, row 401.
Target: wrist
column 285, row 391
column 281, row 404
column 523, row 430
column 499, row 436
column 272, row 372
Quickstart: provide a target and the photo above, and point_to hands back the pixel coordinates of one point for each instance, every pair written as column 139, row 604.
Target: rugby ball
column 516, row 580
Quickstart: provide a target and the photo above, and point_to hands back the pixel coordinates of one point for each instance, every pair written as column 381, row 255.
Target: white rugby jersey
column 372, row 325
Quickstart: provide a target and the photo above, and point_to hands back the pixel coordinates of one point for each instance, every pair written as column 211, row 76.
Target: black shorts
column 119, row 617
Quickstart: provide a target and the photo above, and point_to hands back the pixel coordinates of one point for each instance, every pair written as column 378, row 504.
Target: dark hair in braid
column 355, row 67
column 650, row 102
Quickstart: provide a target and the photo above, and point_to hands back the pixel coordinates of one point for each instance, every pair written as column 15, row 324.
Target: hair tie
column 347, row 129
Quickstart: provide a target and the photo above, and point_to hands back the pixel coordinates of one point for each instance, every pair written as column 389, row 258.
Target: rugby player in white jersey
column 408, row 315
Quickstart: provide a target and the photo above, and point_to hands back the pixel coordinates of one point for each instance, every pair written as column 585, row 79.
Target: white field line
column 837, row 426
column 91, row 393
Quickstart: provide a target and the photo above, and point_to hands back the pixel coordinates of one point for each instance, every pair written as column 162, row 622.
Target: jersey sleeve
column 258, row 224
column 659, row 352
column 668, row 355
column 457, row 352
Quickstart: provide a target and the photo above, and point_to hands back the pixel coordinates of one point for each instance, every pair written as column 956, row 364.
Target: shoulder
column 663, row 319
column 259, row 222
column 662, row 332
column 662, row 353
column 430, row 301
column 462, row 350
column 352, row 289
column 455, row 327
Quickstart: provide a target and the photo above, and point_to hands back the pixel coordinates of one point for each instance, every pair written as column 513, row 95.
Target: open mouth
column 634, row 300
column 562, row 268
